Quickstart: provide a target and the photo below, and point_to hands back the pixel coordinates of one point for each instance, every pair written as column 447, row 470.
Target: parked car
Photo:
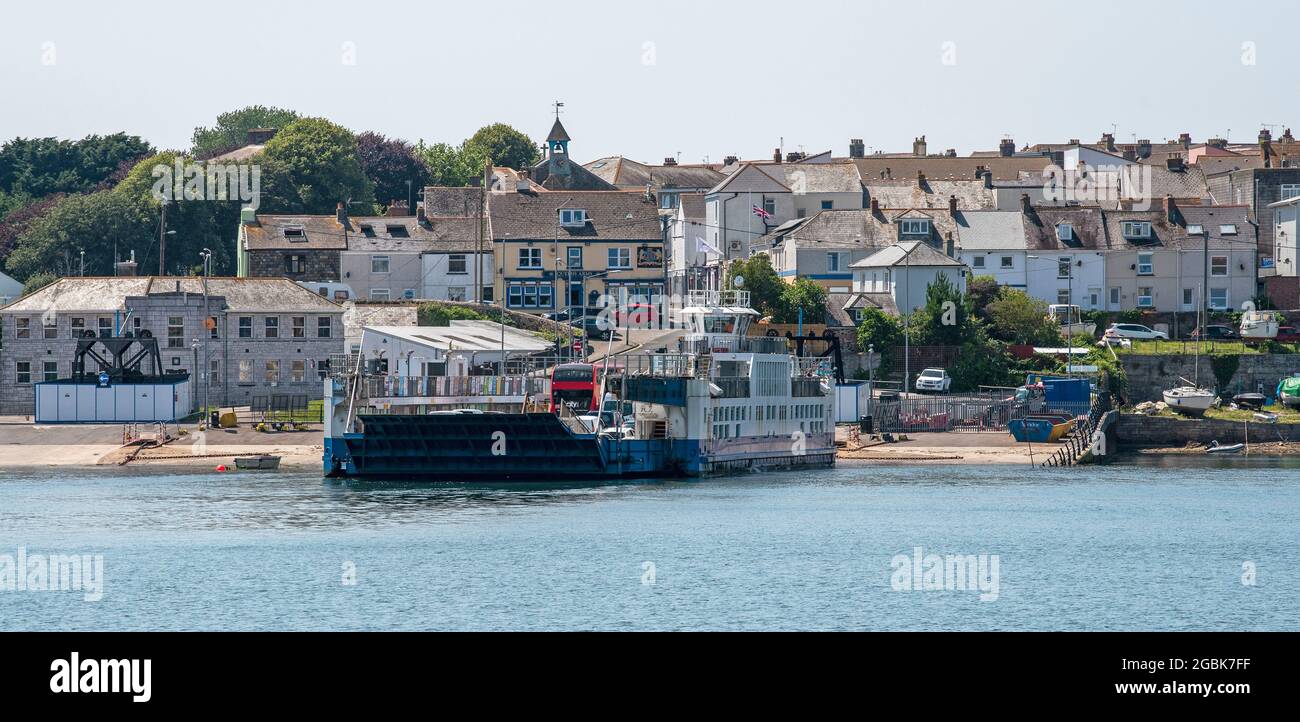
column 1219, row 333
column 1135, row 331
column 936, row 380
column 575, row 312
column 642, row 315
column 594, row 327
column 1287, row 334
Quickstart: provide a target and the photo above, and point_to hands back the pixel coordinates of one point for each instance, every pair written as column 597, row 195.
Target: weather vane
column 557, row 105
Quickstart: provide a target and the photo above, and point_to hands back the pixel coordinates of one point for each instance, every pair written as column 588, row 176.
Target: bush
column 442, row 314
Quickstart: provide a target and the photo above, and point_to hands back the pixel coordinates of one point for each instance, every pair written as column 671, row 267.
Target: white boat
column 1215, row 448
column 1260, row 325
column 264, row 461
column 1070, row 319
column 1189, row 400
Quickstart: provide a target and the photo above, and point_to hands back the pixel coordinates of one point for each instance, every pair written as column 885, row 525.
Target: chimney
column 950, row 153
column 1220, row 143
column 670, row 161
column 776, row 155
column 857, row 149
column 1171, row 209
column 730, row 160
column 1174, row 162
column 1108, row 142
column 988, row 179
column 875, row 207
column 1185, row 140
column 1287, row 137
column 920, row 178
column 1266, row 146
column 949, row 245
column 419, row 215
column 952, row 205
column 1130, row 155
column 794, row 157
column 1144, row 148
column 1007, row 148
column 397, row 208
column 918, row 147
column 1025, row 205
column 1074, row 141
column 341, row 214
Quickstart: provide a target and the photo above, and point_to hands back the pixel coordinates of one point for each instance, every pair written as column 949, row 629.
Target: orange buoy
column 221, row 467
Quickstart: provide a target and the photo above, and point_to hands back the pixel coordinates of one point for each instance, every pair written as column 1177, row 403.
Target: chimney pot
column 341, row 214
column 918, row 147
column 670, row 161
column 988, row 179
column 857, row 149
column 776, row 155
column 1007, row 148
column 875, row 207
column 1025, row 205
column 920, row 177
column 952, row 205
column 1171, row 209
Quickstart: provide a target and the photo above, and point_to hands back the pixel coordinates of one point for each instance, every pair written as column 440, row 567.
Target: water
column 1155, row 546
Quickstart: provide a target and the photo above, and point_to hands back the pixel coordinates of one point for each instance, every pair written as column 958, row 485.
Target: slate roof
column 1088, row 223
column 692, row 205
column 819, row 177
column 104, row 294
column 913, row 253
column 611, row 215
column 860, row 228
column 324, row 233
column 629, row 174
column 456, row 202
column 905, row 193
column 945, row 168
column 991, row 230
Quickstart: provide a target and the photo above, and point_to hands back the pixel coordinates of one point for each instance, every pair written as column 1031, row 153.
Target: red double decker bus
column 575, row 386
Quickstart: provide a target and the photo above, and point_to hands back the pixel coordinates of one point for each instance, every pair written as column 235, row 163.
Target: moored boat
column 261, row 462
column 1288, row 392
column 1259, row 325
column 1189, row 400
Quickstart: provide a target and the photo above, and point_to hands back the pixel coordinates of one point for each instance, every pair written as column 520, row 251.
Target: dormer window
column 398, row 231
column 1195, row 229
column 1065, row 232
column 1137, row 229
column 914, row 227
column 573, row 217
column 367, row 230
column 1228, row 229
column 295, row 234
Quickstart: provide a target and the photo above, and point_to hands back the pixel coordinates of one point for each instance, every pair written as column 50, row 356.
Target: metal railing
column 969, row 412
column 740, row 344
column 731, row 298
column 450, row 386
column 732, row 387
column 806, row 387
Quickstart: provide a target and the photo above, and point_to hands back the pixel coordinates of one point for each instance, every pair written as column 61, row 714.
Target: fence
column 436, row 386
column 970, row 412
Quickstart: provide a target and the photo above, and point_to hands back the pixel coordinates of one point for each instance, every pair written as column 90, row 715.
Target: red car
column 637, row 315
column 1288, row 334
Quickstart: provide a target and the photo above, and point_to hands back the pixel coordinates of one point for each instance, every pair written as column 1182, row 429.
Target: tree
column 879, row 329
column 18, row 220
column 802, row 294
column 310, row 166
column 945, row 319
column 95, row 223
column 38, row 281
column 981, row 291
column 764, row 285
column 505, row 146
column 38, row 167
column 391, row 165
column 1015, row 317
column 452, row 166
column 231, row 130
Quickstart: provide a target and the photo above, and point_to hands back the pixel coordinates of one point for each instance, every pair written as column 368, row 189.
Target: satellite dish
column 738, row 281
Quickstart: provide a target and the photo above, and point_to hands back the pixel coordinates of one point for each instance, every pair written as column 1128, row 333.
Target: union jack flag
column 761, row 213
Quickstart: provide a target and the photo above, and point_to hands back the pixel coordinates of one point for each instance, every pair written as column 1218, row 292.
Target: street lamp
column 207, row 332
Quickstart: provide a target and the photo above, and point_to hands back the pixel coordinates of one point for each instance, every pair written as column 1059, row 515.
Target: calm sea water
column 1153, row 546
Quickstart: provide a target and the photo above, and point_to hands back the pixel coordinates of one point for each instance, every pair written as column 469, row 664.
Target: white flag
column 702, row 246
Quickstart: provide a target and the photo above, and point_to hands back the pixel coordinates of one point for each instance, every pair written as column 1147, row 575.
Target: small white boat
column 1215, row 448
column 1189, row 400
column 1260, row 325
column 265, row 461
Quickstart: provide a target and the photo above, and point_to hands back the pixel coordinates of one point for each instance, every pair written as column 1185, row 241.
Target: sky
column 694, row 80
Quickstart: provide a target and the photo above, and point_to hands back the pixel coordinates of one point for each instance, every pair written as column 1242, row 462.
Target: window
column 455, row 293
column 1063, row 295
column 544, row 296
column 245, row 371
column 832, row 262
column 1289, row 190
column 457, row 265
column 1228, row 229
column 1219, row 299
column 23, row 371
column 977, row 262
column 78, row 327
column 1218, row 265
column 295, row 234
column 272, row 327
column 379, row 294
column 50, row 326
column 324, row 327
column 298, row 326
column 295, row 265
column 570, row 217
column 915, row 227
column 769, row 206
column 1137, row 229
column 298, row 371
column 379, row 264
column 515, row 296
column 408, row 293
column 1144, row 297
column 1146, row 264
column 1063, row 267
column 245, row 326
column 367, row 230
column 828, row 205
column 1114, row 296
column 620, row 258
column 106, row 327
column 530, row 258
column 396, row 230
column 175, row 332
column 51, row 370
column 487, row 293
column 1065, row 232
column 574, row 255
column 1195, row 229
column 272, row 371
column 23, row 328
column 1189, row 297
column 1008, row 262
column 214, row 372
column 800, row 213
column 530, row 296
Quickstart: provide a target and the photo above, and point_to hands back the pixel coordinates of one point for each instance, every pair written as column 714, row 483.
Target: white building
column 10, row 289
column 1286, row 226
column 464, row 348
column 992, row 243
column 904, row 271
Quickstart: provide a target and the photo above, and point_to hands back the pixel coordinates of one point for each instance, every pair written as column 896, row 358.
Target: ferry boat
column 722, row 402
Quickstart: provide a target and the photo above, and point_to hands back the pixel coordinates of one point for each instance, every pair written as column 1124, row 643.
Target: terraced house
column 268, row 336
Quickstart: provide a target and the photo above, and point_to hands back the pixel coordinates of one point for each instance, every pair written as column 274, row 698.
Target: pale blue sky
column 727, row 77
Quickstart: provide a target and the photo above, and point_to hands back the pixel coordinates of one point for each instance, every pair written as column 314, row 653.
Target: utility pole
column 206, row 369
column 1205, row 280
column 162, row 241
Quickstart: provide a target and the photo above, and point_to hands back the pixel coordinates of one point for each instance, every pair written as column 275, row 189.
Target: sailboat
column 1190, row 399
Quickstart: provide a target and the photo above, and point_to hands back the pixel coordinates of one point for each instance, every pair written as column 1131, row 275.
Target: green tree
column 231, row 130
column 95, row 223
column 37, row 167
column 761, row 280
column 310, row 166
column 945, row 318
column 980, row 292
column 38, row 281
column 393, row 166
column 879, row 329
column 1015, row 317
column 505, row 146
column 452, row 165
column 802, row 294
